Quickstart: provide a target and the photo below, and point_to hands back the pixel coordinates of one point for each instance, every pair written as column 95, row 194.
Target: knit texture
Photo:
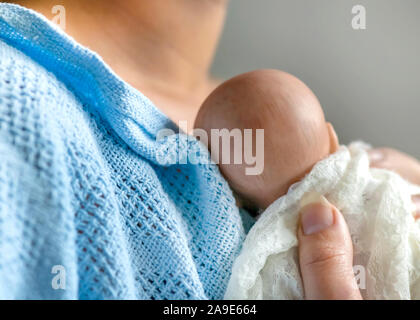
column 81, row 184
column 378, row 210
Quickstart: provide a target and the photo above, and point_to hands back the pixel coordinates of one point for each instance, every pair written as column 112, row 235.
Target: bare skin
column 272, row 100
column 296, row 133
column 403, row 164
column 394, row 160
column 164, row 49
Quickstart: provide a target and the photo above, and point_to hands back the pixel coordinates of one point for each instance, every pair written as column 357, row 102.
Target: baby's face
column 296, row 135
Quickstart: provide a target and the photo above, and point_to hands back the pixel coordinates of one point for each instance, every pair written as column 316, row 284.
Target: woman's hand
column 403, row 164
column 325, row 247
column 326, row 254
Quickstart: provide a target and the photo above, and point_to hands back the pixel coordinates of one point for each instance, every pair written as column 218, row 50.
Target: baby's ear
column 334, row 144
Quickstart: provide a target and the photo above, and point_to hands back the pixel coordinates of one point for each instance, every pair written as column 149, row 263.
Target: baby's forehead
column 267, row 99
column 255, row 107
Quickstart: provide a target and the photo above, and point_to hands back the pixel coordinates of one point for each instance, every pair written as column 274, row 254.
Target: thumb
column 325, row 252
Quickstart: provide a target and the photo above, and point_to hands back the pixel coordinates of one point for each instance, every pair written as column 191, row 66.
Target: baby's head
column 296, row 135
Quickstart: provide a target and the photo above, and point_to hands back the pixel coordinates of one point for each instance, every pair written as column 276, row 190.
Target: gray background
column 367, row 81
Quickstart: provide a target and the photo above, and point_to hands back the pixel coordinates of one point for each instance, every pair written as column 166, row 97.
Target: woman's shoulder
column 18, row 71
column 35, row 105
column 25, row 81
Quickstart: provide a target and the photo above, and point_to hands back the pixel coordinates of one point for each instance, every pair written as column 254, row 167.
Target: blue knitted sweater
column 83, row 196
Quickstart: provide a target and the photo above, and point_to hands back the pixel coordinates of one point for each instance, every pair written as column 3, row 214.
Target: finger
column 326, row 254
column 416, row 200
column 377, row 157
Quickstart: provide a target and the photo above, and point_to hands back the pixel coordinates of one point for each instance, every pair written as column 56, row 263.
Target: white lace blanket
column 378, row 209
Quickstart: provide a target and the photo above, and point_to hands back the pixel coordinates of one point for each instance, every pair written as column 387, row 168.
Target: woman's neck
column 155, row 45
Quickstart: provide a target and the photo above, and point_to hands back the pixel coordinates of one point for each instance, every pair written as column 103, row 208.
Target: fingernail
column 313, row 197
column 316, row 213
column 416, row 201
column 376, row 155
